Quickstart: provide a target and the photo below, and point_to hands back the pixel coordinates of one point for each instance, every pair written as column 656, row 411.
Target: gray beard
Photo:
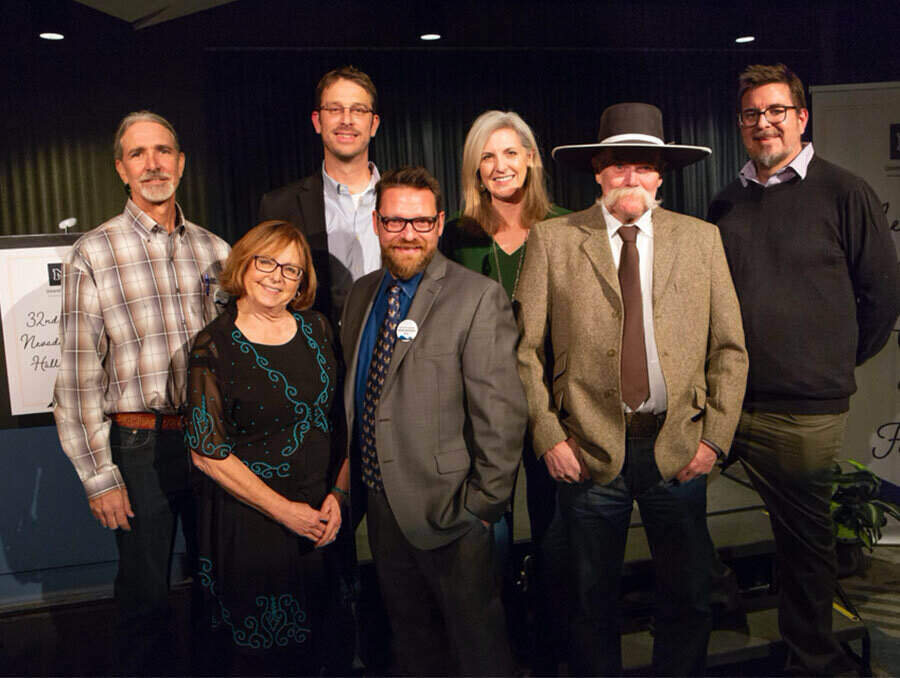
column 157, row 194
column 768, row 160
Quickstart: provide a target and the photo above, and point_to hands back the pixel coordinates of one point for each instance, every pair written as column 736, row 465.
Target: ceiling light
column 745, row 38
column 430, row 36
column 52, row 36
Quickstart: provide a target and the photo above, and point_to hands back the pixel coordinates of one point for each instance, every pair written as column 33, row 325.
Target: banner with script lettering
column 30, row 299
column 857, row 127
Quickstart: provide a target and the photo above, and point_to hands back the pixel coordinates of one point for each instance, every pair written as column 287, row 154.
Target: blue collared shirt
column 348, row 224
column 795, row 168
column 370, row 333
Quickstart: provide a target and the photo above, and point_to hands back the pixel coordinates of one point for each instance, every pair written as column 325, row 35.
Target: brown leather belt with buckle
column 147, row 421
column 643, row 424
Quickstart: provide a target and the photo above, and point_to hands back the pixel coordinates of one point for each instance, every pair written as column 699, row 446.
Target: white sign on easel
column 30, row 301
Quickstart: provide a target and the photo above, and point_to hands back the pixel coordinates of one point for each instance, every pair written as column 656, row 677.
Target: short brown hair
column 352, row 74
column 140, row 116
column 758, row 75
column 270, row 236
column 409, row 177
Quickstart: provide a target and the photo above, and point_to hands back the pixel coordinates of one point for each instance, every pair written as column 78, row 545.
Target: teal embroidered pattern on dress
column 280, row 620
column 267, row 471
column 198, row 430
column 301, row 408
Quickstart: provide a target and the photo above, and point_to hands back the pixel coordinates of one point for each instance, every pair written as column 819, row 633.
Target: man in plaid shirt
column 136, row 290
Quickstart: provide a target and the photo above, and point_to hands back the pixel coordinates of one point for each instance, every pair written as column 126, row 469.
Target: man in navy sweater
column 816, row 274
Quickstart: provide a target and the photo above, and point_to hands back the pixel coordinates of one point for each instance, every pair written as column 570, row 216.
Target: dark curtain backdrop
column 58, row 116
column 260, row 136
column 243, row 120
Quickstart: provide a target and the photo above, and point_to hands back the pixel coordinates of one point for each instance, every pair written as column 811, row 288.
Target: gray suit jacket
column 569, row 291
column 451, row 419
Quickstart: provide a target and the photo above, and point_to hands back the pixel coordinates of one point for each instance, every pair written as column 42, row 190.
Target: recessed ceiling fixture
column 51, row 36
column 430, row 36
column 745, row 38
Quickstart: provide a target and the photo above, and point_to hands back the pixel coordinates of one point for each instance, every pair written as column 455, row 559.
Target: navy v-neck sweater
column 816, row 274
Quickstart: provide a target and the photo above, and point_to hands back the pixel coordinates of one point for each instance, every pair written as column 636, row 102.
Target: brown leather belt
column 148, row 421
column 643, row 424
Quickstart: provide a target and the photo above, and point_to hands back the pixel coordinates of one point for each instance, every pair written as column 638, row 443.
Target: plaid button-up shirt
column 134, row 297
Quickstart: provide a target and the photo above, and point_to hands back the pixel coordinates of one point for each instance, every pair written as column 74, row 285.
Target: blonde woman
column 504, row 195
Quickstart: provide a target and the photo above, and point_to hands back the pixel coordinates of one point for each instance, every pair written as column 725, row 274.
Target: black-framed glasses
column 357, row 111
column 266, row 264
column 397, row 224
column 774, row 114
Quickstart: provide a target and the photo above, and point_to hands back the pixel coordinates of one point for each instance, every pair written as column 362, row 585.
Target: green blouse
column 479, row 253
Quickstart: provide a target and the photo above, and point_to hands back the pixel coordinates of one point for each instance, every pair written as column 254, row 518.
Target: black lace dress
column 264, row 588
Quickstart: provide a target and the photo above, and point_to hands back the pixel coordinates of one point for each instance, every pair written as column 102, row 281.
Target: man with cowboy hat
column 640, row 388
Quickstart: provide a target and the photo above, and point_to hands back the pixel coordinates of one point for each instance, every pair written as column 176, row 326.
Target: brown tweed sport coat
column 569, row 293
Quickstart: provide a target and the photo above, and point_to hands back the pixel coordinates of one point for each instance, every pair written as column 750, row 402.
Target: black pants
column 674, row 517
column 443, row 604
column 156, row 469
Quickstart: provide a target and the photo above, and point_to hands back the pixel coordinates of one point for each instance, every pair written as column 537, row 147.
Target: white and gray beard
column 611, row 198
column 158, row 193
column 770, row 159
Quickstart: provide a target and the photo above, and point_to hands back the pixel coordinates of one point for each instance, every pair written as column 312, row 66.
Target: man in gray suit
column 437, row 414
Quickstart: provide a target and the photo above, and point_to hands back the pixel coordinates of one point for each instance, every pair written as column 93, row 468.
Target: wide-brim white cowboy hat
column 632, row 126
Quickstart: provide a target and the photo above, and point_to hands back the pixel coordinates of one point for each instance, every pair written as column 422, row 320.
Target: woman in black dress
column 260, row 426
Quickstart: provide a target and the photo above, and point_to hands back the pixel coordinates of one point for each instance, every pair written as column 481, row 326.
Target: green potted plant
column 858, row 512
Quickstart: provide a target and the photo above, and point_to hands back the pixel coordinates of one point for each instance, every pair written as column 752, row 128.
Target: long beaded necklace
column 518, row 267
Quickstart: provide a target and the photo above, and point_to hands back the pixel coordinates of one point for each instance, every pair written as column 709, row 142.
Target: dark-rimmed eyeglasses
column 357, row 111
column 266, row 264
column 397, row 224
column 774, row 114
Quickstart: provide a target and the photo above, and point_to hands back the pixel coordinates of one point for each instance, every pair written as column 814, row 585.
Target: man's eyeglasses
column 774, row 114
column 397, row 224
column 357, row 111
column 266, row 264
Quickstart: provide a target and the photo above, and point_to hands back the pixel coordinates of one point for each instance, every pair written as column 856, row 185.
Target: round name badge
column 407, row 330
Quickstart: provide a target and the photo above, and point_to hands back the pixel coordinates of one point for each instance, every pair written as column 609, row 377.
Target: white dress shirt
column 657, row 401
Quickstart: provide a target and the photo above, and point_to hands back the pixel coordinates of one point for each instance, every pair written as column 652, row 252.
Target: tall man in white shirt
column 647, row 369
column 333, row 207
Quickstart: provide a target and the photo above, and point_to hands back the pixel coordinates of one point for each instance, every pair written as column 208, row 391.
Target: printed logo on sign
column 54, row 274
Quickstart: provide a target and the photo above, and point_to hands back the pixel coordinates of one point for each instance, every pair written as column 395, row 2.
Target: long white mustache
column 611, row 198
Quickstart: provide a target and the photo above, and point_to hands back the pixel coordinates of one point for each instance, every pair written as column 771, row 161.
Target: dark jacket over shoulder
column 303, row 204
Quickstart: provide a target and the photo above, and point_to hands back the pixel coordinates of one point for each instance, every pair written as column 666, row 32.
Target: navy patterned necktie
column 635, row 380
column 381, row 360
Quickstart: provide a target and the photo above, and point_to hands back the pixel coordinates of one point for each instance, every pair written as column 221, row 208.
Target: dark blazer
column 303, row 204
column 451, row 418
